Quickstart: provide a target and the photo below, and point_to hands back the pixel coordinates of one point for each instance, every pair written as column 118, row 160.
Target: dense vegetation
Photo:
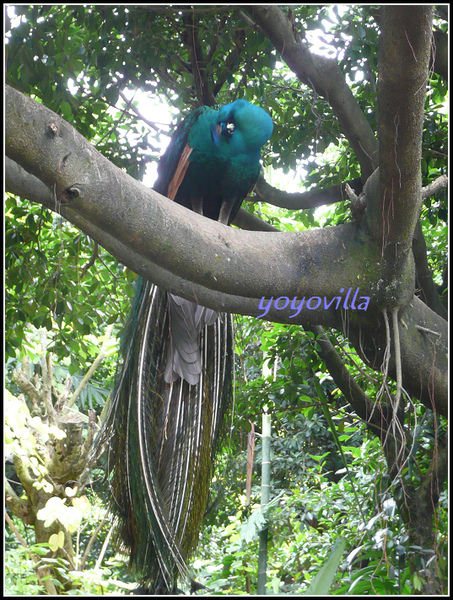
column 345, row 462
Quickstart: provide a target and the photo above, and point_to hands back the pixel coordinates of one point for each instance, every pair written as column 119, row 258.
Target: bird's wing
column 174, row 162
column 180, row 172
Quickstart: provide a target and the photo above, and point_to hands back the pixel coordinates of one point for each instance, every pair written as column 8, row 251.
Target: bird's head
column 242, row 128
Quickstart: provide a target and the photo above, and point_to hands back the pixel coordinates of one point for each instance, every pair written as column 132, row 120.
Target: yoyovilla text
column 351, row 301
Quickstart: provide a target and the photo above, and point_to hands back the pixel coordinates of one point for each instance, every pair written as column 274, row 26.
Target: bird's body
column 175, row 379
column 210, row 166
column 217, row 152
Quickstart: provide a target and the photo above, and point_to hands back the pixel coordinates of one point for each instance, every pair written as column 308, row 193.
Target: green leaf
column 322, row 582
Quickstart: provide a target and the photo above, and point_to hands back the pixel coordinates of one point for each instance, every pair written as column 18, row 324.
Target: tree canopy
column 343, row 241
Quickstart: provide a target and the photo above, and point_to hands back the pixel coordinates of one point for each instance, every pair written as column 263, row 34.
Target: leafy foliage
column 82, row 61
column 305, row 519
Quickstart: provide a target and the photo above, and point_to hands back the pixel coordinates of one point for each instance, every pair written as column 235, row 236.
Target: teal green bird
column 212, row 162
column 175, row 379
column 211, row 165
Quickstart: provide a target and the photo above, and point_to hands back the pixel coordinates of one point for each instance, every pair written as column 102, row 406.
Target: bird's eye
column 228, row 128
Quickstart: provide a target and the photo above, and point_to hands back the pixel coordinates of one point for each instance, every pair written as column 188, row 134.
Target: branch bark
column 441, row 53
column 425, row 282
column 203, row 260
column 87, row 188
column 200, row 67
column 304, row 200
column 404, row 55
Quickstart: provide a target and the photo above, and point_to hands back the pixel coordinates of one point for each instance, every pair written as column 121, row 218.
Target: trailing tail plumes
column 173, row 385
column 161, row 439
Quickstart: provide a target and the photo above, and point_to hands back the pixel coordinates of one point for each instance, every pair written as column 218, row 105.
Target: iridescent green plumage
column 175, row 379
column 224, row 163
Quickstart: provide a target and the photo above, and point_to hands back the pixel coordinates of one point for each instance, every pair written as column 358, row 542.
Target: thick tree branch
column 324, row 77
column 439, row 49
column 424, row 352
column 440, row 53
column 88, row 187
column 374, row 415
column 404, row 55
column 201, row 73
column 20, row 507
column 203, row 260
column 28, row 186
column 435, row 186
column 244, row 220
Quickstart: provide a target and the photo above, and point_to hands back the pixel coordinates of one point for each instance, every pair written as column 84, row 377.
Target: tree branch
column 425, row 281
column 304, row 200
column 324, row 77
column 374, row 415
column 404, row 54
column 88, row 188
column 202, row 76
column 99, row 358
column 435, row 186
column 20, row 507
column 424, row 352
column 244, row 220
column 203, row 260
column 440, row 53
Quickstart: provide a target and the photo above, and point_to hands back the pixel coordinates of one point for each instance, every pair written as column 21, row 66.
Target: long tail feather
column 161, row 438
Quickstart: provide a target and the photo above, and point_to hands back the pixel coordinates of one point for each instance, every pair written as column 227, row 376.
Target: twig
column 129, row 104
column 104, row 547
column 90, row 543
column 90, row 261
column 93, row 367
column 44, row 581
column 434, row 187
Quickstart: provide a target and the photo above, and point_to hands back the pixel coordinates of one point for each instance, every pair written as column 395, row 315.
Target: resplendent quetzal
column 175, row 378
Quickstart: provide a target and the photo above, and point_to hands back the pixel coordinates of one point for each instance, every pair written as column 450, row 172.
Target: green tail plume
column 160, row 440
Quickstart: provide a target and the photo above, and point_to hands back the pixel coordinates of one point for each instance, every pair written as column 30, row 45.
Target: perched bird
column 175, row 379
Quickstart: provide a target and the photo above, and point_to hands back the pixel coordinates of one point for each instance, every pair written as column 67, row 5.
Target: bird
column 174, row 380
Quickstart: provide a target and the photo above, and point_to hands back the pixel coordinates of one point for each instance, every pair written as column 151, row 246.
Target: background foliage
column 83, row 62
